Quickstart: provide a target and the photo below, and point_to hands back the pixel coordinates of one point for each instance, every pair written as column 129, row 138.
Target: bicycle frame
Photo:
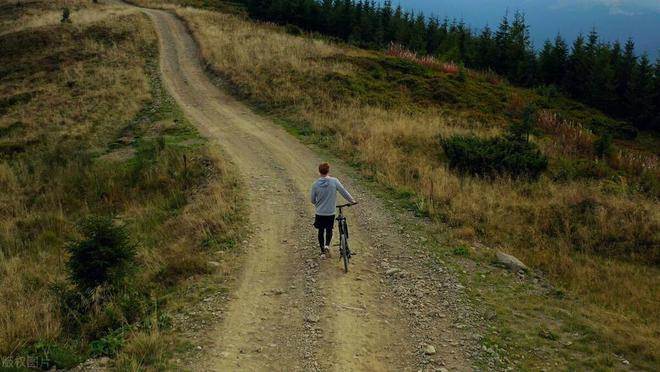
column 341, row 222
column 344, row 250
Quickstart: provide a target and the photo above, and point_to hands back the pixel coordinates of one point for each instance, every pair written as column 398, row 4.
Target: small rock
column 392, row 271
column 511, row 262
column 429, row 350
column 312, row 318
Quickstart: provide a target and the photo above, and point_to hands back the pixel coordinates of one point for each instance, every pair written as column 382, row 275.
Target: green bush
column 618, row 129
column 104, row 255
column 522, row 130
column 548, row 91
column 494, row 156
column 462, row 77
column 567, row 169
column 603, row 146
column 50, row 355
column 461, row 250
column 66, row 15
column 108, row 345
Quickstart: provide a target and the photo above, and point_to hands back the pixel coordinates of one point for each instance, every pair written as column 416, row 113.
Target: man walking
column 324, row 198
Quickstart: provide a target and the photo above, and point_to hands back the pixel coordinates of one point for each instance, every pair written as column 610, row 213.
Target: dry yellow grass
column 147, row 351
column 544, row 223
column 101, row 97
column 49, row 13
column 72, row 97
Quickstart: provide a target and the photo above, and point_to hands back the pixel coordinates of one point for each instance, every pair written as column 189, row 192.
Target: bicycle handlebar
column 346, row 205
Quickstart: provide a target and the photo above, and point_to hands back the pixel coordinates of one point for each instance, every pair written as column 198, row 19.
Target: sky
column 613, row 19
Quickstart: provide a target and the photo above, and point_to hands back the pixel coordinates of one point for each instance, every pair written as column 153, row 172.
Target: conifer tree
column 503, row 43
column 486, row 51
column 655, row 122
column 642, row 86
column 553, row 62
column 578, row 69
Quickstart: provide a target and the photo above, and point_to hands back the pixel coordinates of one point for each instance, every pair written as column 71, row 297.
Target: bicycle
column 344, row 251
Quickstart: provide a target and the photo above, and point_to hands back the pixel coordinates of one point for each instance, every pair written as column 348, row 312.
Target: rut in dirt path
column 288, row 311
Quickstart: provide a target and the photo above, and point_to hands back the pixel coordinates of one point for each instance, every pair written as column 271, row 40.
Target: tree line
column 608, row 76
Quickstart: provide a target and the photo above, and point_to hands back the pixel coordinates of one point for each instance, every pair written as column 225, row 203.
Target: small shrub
column 548, row 91
column 548, row 334
column 650, row 183
column 130, row 305
column 520, row 131
column 462, row 76
column 14, row 101
column 618, row 129
column 493, row 156
column 103, row 256
column 603, row 147
column 108, row 345
column 460, row 251
column 48, row 354
column 66, row 16
column 568, row 169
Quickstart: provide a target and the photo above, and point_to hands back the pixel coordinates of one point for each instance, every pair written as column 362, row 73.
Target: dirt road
column 289, row 310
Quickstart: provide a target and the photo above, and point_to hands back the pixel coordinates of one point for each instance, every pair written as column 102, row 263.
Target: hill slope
column 590, row 224
column 87, row 130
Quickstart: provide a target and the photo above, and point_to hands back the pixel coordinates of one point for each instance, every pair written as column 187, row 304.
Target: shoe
column 326, row 249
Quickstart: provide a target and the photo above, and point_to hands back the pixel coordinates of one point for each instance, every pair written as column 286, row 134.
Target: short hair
column 324, row 168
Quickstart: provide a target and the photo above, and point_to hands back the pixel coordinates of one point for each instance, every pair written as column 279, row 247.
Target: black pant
column 324, row 224
column 328, row 238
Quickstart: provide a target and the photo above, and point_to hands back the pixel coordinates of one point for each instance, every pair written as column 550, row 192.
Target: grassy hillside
column 88, row 131
column 590, row 223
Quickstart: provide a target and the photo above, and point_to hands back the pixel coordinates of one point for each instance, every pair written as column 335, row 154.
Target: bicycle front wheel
column 344, row 252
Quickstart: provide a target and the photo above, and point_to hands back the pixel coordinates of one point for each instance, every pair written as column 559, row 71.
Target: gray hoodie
column 324, row 195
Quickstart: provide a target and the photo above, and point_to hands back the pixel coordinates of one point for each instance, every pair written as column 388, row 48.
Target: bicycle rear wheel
column 344, row 252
